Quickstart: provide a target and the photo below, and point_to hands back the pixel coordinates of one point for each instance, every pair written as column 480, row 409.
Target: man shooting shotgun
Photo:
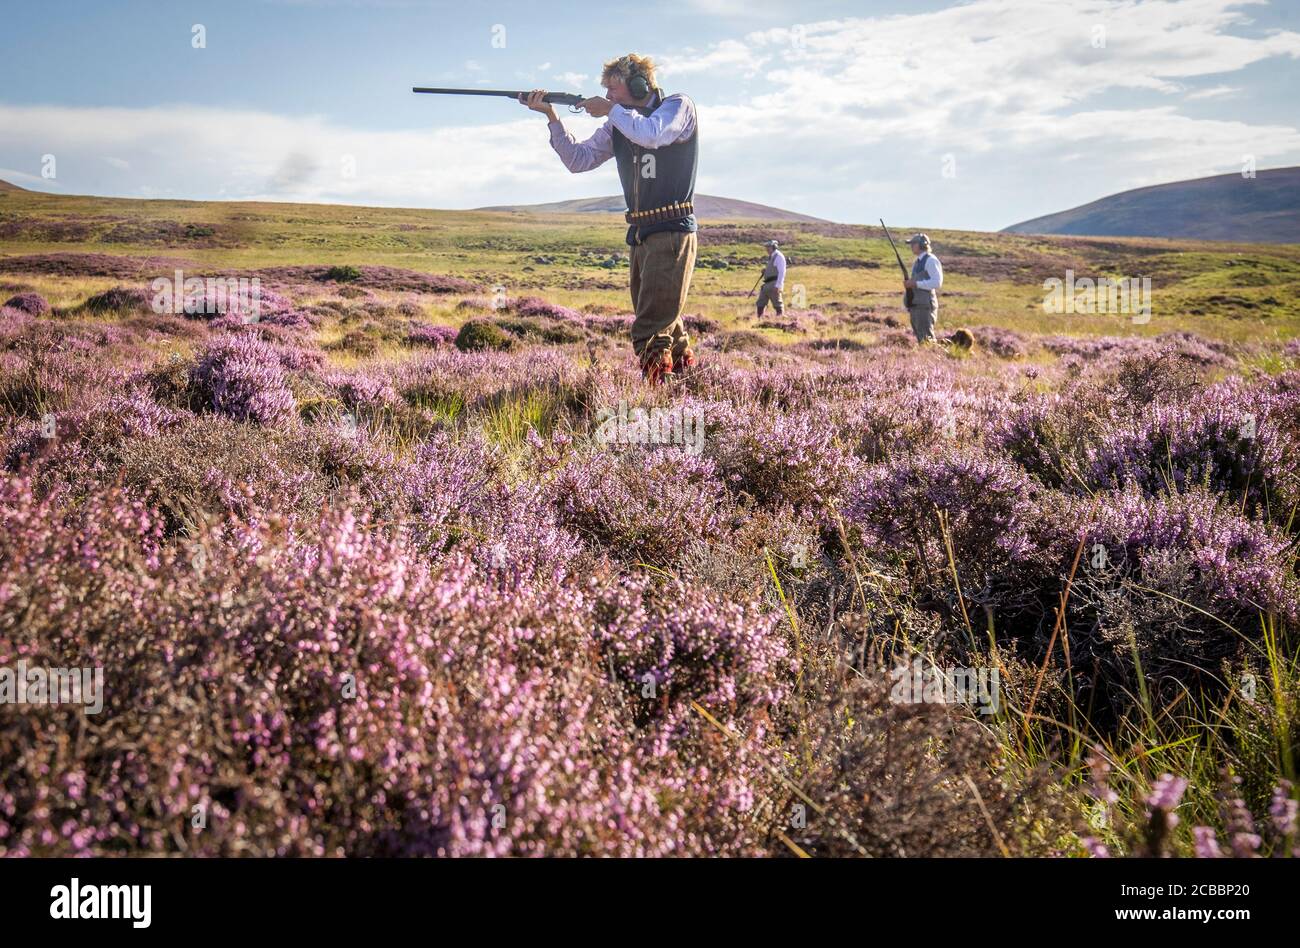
column 654, row 142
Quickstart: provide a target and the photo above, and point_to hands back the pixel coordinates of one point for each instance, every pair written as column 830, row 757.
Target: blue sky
column 971, row 115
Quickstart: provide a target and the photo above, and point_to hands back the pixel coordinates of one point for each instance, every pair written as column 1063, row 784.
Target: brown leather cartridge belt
column 670, row 212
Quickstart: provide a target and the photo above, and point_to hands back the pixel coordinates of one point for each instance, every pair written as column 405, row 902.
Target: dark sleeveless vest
column 674, row 176
column 922, row 297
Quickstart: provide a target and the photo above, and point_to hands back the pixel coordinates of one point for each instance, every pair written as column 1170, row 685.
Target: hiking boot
column 658, row 367
column 684, row 360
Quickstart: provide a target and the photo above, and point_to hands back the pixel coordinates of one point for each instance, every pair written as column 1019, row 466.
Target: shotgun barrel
column 560, row 98
column 907, row 296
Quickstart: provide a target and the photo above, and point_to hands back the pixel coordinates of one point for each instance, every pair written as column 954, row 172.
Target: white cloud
column 1214, row 92
column 572, row 78
column 1012, row 87
column 258, row 156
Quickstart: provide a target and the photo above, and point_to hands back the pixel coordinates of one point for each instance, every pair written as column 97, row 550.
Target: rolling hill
column 1263, row 209
column 706, row 206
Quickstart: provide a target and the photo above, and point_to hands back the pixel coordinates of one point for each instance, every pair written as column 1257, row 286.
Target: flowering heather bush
column 885, row 412
column 1182, row 580
column 12, row 323
column 298, row 319
column 424, row 334
column 1049, row 435
column 228, row 310
column 478, row 379
column 671, row 641
column 1224, row 438
column 460, row 500
column 31, row 303
column 1105, row 348
column 1003, row 343
column 47, row 369
column 609, row 324
column 653, row 507
column 959, row 501
column 1055, row 434
column 1240, row 566
column 84, row 446
column 779, row 458
column 119, row 298
column 366, row 391
column 698, row 325
column 393, row 707
column 536, row 307
column 241, row 377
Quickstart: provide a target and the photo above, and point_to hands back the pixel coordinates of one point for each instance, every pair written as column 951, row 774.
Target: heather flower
column 1207, row 842
column 1235, row 566
column 1166, row 794
column 1282, row 809
column 1239, row 824
column 1096, row 848
column 400, row 708
column 1099, row 769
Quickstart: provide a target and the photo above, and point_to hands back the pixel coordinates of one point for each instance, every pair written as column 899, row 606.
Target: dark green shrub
column 343, row 274
column 479, row 334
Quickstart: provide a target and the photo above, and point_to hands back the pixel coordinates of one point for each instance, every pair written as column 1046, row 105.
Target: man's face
column 917, row 249
column 616, row 92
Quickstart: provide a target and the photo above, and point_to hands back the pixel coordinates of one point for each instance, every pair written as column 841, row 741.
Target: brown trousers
column 662, row 265
column 770, row 293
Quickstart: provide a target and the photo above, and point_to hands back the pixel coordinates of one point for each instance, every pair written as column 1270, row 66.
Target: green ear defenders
column 637, row 84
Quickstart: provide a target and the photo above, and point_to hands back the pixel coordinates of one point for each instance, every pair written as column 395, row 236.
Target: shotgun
column 555, row 98
column 907, row 296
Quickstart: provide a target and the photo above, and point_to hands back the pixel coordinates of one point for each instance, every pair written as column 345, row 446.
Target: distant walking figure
column 927, row 277
column 773, row 280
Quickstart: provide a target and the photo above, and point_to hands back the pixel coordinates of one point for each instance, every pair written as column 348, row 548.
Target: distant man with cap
column 773, row 280
column 654, row 141
column 927, row 277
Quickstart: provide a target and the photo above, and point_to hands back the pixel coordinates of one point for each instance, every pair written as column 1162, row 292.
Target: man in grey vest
column 654, row 142
column 927, row 277
column 773, row 280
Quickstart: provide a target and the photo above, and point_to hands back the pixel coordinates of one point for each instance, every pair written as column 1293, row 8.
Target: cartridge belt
column 670, row 212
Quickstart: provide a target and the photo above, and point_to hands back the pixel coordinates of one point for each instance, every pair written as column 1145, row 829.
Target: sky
column 972, row 115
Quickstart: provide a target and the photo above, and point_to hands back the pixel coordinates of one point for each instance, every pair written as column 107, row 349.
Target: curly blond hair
column 625, row 66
